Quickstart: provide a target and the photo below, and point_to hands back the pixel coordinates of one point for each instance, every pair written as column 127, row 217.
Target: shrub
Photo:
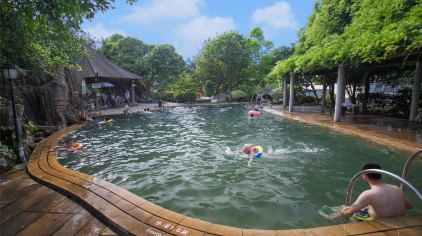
column 277, row 95
column 168, row 97
column 8, row 155
column 238, row 95
column 188, row 96
column 5, row 151
column 301, row 99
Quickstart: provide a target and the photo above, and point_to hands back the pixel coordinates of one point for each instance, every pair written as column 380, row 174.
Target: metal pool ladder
column 401, row 179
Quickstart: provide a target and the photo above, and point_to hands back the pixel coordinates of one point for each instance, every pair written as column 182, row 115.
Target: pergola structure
column 413, row 58
column 97, row 69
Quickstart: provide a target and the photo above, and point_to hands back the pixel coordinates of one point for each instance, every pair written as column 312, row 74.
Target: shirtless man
column 383, row 200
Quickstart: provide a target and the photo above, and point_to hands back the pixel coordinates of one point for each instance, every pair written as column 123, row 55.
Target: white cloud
column 277, row 16
column 190, row 36
column 162, row 10
column 99, row 31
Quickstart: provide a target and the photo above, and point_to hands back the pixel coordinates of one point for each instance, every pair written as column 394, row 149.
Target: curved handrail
column 353, row 180
column 407, row 164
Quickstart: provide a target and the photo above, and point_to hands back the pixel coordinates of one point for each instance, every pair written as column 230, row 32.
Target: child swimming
column 70, row 146
column 255, row 151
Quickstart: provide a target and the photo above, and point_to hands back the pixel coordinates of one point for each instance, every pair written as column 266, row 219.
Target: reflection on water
column 188, row 160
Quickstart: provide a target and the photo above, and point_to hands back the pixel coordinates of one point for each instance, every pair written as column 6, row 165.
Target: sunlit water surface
column 188, row 160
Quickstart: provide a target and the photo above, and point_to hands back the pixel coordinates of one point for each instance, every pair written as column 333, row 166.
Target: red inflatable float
column 254, row 113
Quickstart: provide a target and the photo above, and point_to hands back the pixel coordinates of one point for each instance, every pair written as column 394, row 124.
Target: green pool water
column 188, row 160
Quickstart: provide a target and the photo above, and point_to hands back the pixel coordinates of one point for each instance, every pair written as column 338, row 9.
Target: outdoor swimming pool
column 187, row 160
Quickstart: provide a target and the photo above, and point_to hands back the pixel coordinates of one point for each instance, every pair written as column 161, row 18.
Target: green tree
column 44, row 35
column 261, row 59
column 164, row 66
column 127, row 52
column 223, row 61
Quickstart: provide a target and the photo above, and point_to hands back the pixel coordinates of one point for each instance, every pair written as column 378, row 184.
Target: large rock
column 221, row 97
column 49, row 104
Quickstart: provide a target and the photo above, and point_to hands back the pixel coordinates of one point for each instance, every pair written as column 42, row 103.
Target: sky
column 186, row 24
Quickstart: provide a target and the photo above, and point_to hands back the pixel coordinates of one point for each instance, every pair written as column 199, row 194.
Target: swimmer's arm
column 363, row 201
column 360, row 203
column 58, row 148
column 250, row 161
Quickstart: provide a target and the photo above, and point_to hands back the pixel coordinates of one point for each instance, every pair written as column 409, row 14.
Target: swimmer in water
column 70, row 146
column 255, row 151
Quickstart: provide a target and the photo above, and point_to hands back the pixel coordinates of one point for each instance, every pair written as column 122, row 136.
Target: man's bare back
column 383, row 200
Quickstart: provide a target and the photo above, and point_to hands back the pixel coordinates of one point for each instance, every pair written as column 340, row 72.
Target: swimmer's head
column 69, row 142
column 372, row 165
column 247, row 148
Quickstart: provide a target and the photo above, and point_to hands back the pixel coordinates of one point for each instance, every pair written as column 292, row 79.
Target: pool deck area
column 388, row 131
column 78, row 204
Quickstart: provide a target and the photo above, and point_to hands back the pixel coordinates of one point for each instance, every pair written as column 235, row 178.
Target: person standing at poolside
column 127, row 96
column 382, row 200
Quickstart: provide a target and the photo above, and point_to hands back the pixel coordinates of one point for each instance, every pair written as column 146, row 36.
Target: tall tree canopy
column 165, row 65
column 261, row 58
column 44, row 35
column 223, row 60
column 156, row 64
column 354, row 32
column 127, row 52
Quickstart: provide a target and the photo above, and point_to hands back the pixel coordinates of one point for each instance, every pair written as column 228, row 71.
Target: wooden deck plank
column 19, row 222
column 143, row 229
column 293, row 232
column 171, row 216
column 197, row 224
column 140, row 214
column 397, row 222
column 13, row 185
column 18, row 193
column 14, row 174
column 184, row 231
column 124, row 205
column 48, row 224
column 74, row 225
column 21, row 205
column 67, row 206
column 328, row 230
column 252, row 232
column 224, row 230
column 161, row 224
column 92, row 228
column 358, row 228
column 48, row 203
column 108, row 232
column 412, row 231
